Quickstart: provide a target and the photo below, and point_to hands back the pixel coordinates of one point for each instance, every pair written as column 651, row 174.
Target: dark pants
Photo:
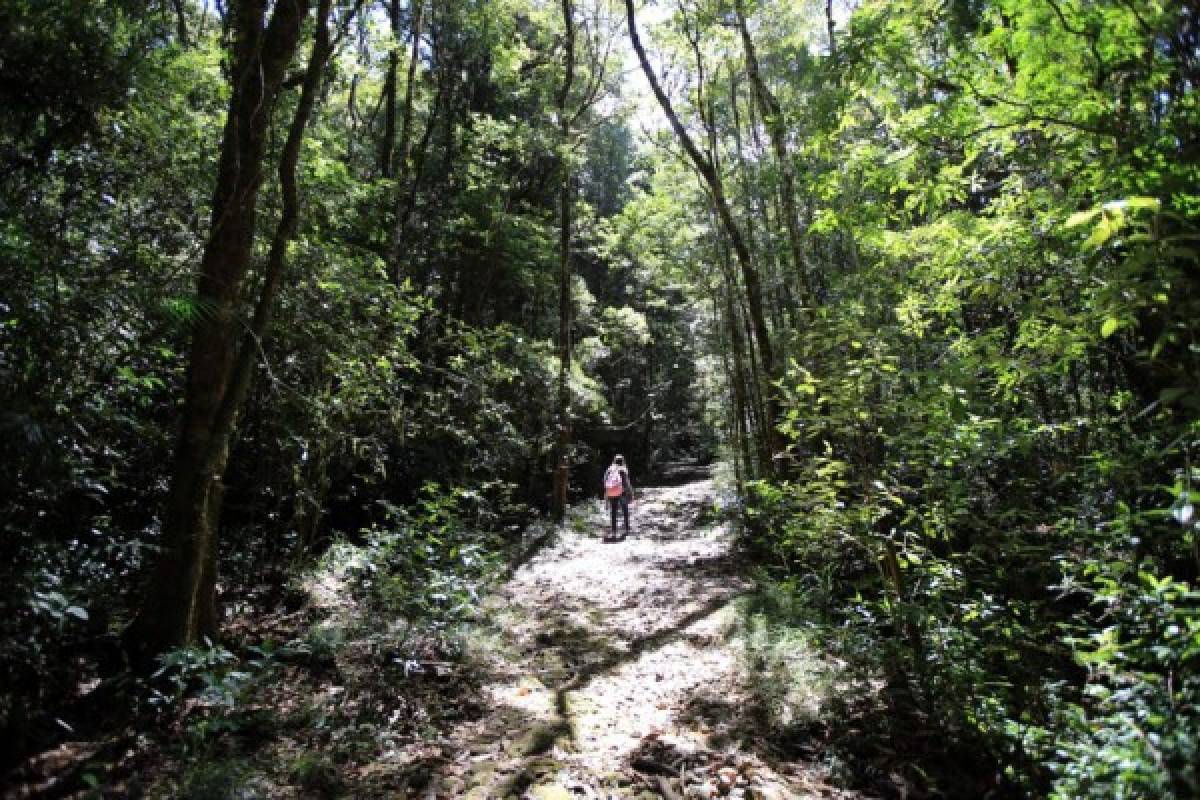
column 618, row 502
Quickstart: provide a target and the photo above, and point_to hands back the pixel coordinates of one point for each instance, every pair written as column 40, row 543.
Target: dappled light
column 606, row 650
column 337, row 337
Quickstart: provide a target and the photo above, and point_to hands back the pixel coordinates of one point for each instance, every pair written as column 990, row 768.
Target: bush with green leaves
column 204, row 689
column 1135, row 728
column 216, row 779
column 427, row 563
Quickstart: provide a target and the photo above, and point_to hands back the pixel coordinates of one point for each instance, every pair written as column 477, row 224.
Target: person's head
column 619, row 460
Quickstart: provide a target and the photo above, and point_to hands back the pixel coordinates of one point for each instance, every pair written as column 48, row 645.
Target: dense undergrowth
column 985, row 507
column 367, row 652
column 925, row 271
column 1020, row 587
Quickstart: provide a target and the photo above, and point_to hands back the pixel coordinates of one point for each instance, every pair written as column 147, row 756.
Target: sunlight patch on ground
column 613, row 713
column 610, row 661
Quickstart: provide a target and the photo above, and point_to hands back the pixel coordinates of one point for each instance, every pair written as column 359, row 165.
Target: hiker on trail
column 618, row 489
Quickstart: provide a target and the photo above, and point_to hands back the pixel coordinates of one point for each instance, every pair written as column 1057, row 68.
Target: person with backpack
column 618, row 490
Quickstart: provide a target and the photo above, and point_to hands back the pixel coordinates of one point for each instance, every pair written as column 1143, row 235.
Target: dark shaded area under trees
column 923, row 275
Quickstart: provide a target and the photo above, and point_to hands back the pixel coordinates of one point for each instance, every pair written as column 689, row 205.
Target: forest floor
column 598, row 669
column 615, row 669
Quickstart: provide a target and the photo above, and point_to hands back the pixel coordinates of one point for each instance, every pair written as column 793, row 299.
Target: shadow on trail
column 579, row 645
column 529, row 547
column 643, row 643
column 573, row 641
column 509, row 753
column 611, row 656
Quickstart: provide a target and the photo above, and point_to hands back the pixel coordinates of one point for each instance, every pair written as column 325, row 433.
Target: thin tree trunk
column 748, row 190
column 772, row 115
column 181, row 29
column 759, row 416
column 751, row 210
column 562, row 470
column 747, row 379
column 311, row 489
column 713, row 183
column 352, row 115
column 387, row 147
column 754, row 204
column 416, row 10
column 406, row 198
column 738, row 380
column 830, row 27
column 179, row 606
column 412, row 163
column 733, row 420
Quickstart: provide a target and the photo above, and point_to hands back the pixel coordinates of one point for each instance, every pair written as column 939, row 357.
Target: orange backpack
column 614, row 486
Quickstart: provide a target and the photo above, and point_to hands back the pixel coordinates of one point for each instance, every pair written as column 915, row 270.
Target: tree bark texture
column 179, row 605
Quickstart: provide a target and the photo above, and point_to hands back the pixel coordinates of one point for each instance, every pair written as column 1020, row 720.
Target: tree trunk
column 716, row 190
column 746, row 379
column 181, row 28
column 179, row 605
column 413, row 163
column 562, row 469
column 414, row 58
column 829, row 26
column 406, row 198
column 734, row 410
column 772, row 115
column 387, row 148
column 738, row 378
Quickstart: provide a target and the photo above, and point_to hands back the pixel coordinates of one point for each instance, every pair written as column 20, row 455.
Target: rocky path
column 617, row 671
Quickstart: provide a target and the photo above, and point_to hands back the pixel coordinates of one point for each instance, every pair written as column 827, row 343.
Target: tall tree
column 562, row 469
column 405, row 195
column 773, row 117
column 179, row 603
column 710, row 173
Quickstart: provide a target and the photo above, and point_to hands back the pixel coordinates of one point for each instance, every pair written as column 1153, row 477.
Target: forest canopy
column 919, row 276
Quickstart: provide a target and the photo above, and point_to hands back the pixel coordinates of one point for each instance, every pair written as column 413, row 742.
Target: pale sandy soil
column 617, row 670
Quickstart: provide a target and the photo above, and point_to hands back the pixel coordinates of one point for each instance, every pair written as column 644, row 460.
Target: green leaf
column 1081, row 217
column 1151, row 203
column 1100, row 234
column 1110, row 326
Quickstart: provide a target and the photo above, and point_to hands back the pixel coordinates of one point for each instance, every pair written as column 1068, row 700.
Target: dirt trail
column 616, row 672
column 602, row 670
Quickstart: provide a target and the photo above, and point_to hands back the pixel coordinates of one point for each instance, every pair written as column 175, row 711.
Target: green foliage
column 990, row 406
column 206, row 671
column 64, row 66
column 315, row 772
column 218, row 779
column 107, row 183
column 986, row 338
column 427, row 564
column 399, row 397
column 1134, row 731
column 204, row 692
